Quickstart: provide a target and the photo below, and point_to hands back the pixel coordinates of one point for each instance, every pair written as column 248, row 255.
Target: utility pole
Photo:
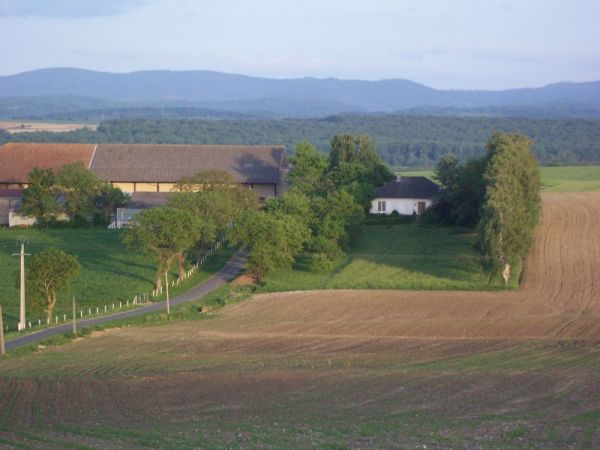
column 22, row 254
column 167, row 287
column 74, row 319
column 2, row 349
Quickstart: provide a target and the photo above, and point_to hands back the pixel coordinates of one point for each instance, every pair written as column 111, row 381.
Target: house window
column 381, row 206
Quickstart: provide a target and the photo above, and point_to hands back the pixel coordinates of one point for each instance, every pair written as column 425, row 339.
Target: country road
column 228, row 272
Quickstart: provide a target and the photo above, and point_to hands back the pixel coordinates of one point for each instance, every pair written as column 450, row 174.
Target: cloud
column 67, row 8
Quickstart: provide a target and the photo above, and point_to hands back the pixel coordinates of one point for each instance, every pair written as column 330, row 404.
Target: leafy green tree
column 79, row 188
column 292, row 203
column 108, row 199
column 354, row 165
column 215, row 199
column 50, row 272
column 39, row 199
column 165, row 234
column 512, row 203
column 462, row 190
column 339, row 217
column 308, row 167
column 271, row 241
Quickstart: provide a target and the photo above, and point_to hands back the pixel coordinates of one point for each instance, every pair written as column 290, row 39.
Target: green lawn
column 554, row 179
column 400, row 256
column 110, row 273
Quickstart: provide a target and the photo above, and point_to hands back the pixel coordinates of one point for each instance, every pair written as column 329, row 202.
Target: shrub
column 320, row 262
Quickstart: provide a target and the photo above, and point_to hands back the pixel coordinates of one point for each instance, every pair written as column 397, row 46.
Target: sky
column 446, row 44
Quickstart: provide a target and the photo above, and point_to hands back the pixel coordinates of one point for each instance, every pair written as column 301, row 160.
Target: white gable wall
column 404, row 206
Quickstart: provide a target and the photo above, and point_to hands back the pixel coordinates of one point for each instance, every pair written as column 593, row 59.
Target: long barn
column 143, row 168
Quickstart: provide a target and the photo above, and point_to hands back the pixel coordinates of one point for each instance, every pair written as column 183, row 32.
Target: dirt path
column 559, row 297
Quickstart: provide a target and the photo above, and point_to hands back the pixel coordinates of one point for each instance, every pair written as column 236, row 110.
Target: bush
column 431, row 216
column 320, row 262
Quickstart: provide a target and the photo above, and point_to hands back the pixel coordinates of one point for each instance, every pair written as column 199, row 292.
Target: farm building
column 406, row 195
column 145, row 168
column 8, row 200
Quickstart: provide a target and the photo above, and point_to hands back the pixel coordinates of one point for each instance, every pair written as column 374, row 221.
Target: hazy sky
column 442, row 43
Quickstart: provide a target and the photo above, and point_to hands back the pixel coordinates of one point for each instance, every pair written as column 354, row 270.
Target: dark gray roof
column 170, row 163
column 408, row 187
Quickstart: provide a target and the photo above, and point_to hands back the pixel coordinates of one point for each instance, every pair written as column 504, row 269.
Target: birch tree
column 512, row 203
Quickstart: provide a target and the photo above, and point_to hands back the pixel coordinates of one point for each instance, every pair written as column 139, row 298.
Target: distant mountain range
column 76, row 94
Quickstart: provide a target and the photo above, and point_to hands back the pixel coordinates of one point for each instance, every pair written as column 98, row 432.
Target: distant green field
column 554, row 179
column 400, row 256
column 110, row 273
column 571, row 179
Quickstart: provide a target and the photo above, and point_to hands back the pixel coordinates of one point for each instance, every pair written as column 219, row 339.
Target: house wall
column 404, row 206
column 6, row 203
column 13, row 185
column 17, row 220
column 125, row 187
column 166, row 187
column 261, row 190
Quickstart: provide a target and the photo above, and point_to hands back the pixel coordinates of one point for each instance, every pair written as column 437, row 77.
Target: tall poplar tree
column 512, row 203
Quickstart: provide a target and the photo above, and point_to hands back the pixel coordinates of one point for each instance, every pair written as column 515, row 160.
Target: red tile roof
column 17, row 159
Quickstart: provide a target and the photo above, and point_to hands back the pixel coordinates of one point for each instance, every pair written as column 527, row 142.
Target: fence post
column 74, row 318
column 2, row 349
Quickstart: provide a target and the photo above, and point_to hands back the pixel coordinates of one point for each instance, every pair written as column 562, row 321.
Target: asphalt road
column 227, row 273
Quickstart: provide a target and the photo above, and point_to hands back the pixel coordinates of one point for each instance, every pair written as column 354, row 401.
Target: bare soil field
column 30, row 127
column 341, row 369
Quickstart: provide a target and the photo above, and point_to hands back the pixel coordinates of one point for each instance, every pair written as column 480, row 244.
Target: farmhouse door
column 420, row 208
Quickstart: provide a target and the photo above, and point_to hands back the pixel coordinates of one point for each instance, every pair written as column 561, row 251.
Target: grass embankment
column 222, row 296
column 554, row 179
column 109, row 272
column 397, row 256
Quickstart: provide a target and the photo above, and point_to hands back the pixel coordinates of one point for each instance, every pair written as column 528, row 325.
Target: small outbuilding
column 406, row 195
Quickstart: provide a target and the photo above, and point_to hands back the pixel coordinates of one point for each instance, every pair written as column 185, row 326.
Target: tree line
column 401, row 140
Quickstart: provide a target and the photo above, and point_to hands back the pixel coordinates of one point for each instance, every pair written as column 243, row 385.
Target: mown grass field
column 554, row 179
column 396, row 256
column 109, row 272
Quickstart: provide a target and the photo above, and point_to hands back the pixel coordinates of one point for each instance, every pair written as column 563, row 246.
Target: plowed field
column 342, row 369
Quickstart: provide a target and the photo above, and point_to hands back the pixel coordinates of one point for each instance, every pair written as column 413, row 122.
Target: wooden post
column 2, row 348
column 167, row 285
column 74, row 319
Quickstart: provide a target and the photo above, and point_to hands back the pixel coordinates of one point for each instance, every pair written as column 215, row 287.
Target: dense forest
column 401, row 140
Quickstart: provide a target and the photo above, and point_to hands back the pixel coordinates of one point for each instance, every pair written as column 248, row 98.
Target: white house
column 406, row 195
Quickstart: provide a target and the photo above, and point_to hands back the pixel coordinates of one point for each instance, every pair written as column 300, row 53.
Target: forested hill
column 76, row 94
column 409, row 141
